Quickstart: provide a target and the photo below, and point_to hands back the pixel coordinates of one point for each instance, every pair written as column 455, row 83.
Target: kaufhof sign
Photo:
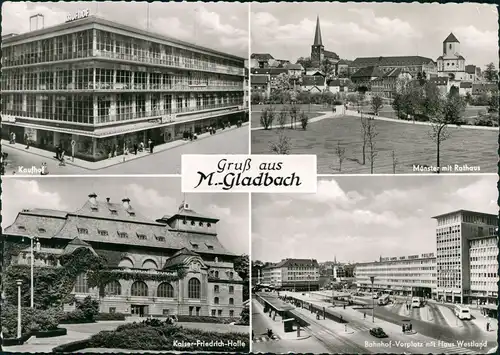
column 78, row 15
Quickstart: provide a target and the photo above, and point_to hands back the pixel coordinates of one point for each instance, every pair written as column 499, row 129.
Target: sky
column 152, row 197
column 362, row 218
column 286, row 30
column 220, row 26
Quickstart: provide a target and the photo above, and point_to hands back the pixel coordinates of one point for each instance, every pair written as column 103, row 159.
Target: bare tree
column 365, row 121
column 282, row 145
column 267, row 118
column 340, row 151
column 294, row 114
column 282, row 117
column 394, row 162
column 371, row 134
column 304, row 120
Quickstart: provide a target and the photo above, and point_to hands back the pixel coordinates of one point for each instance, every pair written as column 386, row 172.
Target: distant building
column 483, row 254
column 443, row 84
column 386, row 85
column 413, row 275
column 335, row 86
column 293, row 274
column 451, row 64
column 454, row 234
column 479, row 89
column 472, row 73
column 318, row 52
column 465, row 88
column 261, row 84
column 313, row 84
column 364, row 76
column 343, row 67
column 409, row 64
column 261, row 60
column 294, row 70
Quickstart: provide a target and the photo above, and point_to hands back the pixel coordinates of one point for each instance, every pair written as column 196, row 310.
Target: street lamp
column 19, row 283
column 372, row 278
column 38, row 246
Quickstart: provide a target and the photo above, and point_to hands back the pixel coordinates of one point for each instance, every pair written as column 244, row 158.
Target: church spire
column 317, row 35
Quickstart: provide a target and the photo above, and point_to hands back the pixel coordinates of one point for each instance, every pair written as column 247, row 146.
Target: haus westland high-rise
column 96, row 84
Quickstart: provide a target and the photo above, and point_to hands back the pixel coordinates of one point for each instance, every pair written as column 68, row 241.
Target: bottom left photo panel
column 123, row 265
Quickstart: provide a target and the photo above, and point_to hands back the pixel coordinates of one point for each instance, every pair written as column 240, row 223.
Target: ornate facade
column 145, row 252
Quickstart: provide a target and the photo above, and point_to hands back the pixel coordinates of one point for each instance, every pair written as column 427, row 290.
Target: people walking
column 150, row 142
column 136, row 147
column 62, row 162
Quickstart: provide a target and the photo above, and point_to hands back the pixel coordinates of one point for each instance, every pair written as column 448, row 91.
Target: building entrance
column 139, row 310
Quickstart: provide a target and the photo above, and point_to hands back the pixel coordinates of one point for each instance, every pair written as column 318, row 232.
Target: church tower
column 317, row 49
column 451, row 46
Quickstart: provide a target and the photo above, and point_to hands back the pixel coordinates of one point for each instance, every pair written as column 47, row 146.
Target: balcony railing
column 151, row 58
column 125, row 87
column 126, row 117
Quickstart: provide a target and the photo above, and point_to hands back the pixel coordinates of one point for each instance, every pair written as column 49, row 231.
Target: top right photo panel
column 377, row 88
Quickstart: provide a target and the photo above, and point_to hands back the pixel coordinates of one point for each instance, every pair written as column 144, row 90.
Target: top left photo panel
column 111, row 88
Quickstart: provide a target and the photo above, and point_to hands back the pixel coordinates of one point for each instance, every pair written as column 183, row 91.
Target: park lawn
column 255, row 118
column 411, row 145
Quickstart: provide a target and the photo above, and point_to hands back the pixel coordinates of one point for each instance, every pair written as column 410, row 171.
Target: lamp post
column 32, row 303
column 372, row 279
column 19, row 283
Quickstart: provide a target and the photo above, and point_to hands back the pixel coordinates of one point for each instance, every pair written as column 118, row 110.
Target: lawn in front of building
column 411, row 145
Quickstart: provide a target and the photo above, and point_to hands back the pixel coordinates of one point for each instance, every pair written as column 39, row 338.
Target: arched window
column 139, row 288
column 165, row 290
column 126, row 263
column 231, row 301
column 194, row 288
column 149, row 264
column 216, row 300
column 81, row 285
column 113, row 289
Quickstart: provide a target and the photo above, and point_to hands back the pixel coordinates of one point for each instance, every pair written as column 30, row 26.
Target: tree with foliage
column 282, row 89
column 304, row 120
column 394, row 162
column 377, row 104
column 257, row 98
column 294, row 115
column 282, row 145
column 493, row 102
column 327, row 68
column 242, row 267
column 447, row 111
column 305, row 62
column 364, row 129
column 282, row 116
column 340, row 152
column 267, row 117
column 490, row 73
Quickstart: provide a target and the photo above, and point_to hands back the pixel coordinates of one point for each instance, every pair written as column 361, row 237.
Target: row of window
column 109, row 79
column 140, row 288
column 81, row 108
column 80, row 45
column 483, row 257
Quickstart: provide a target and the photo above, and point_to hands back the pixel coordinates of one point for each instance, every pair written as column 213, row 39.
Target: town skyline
column 359, row 221
column 372, row 30
column 203, row 24
column 151, row 197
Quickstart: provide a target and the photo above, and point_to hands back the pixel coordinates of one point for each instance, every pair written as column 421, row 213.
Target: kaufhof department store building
column 107, row 86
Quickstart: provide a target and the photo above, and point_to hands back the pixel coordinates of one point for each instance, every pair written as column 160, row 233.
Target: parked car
column 378, row 333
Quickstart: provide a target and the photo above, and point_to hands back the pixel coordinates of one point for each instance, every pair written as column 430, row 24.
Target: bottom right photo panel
column 385, row 264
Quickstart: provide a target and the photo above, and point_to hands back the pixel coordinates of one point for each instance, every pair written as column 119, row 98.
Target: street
column 167, row 161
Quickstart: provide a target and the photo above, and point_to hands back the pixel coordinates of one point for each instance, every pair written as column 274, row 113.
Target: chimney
column 126, row 203
column 107, row 199
column 93, row 198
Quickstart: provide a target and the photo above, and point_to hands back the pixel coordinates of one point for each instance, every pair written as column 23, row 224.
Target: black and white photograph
column 123, row 265
column 382, row 264
column 121, row 87
column 376, row 88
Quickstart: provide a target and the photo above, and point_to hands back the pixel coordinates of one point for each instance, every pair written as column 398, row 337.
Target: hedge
column 16, row 341
column 110, row 316
column 206, row 319
column 51, row 333
column 72, row 347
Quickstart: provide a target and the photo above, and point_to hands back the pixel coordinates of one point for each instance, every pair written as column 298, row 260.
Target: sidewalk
column 481, row 320
column 277, row 325
column 114, row 160
column 379, row 118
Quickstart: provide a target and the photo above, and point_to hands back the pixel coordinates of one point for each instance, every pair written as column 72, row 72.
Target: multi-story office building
column 100, row 87
column 404, row 275
column 293, row 274
column 454, row 233
column 483, row 256
column 142, row 248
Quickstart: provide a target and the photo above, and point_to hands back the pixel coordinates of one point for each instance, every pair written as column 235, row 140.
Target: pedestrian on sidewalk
column 136, row 147
column 62, row 162
column 488, row 326
column 152, row 146
column 150, row 142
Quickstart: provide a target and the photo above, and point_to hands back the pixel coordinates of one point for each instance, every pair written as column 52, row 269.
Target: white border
column 250, row 331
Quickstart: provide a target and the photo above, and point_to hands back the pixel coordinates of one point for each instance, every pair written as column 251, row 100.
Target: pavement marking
column 265, row 338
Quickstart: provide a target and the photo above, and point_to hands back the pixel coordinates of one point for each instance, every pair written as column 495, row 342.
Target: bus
column 462, row 312
column 415, row 302
column 382, row 301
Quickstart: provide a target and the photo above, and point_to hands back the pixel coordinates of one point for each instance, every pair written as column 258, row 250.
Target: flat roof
column 467, row 211
column 97, row 20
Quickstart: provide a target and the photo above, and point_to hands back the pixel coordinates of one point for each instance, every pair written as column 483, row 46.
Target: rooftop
column 391, row 61
column 466, row 211
column 94, row 20
column 451, row 38
column 371, row 71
